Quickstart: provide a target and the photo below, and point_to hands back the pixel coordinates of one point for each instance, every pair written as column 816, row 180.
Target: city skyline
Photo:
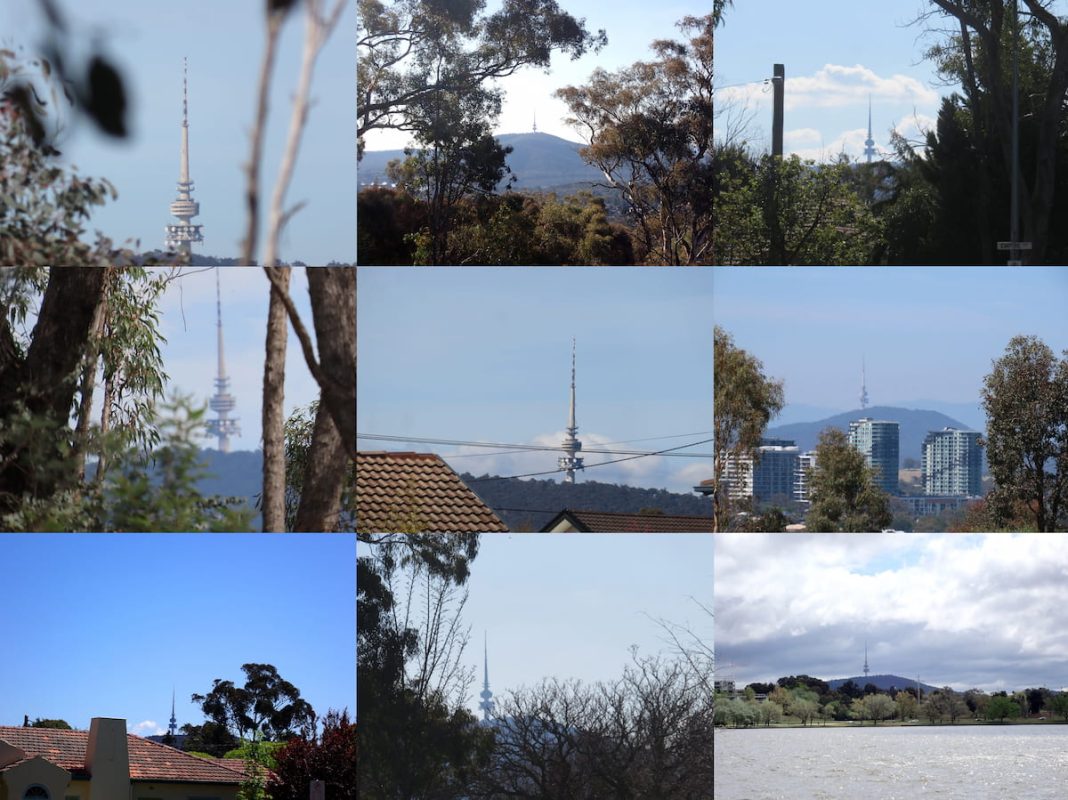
column 926, row 336
column 964, row 610
column 147, row 44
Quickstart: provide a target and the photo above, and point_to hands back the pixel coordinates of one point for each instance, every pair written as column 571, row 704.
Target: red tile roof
column 611, row 522
column 149, row 761
column 416, row 493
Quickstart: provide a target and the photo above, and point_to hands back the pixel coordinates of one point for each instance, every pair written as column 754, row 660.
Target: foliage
column 745, row 401
column 1026, row 401
column 844, row 495
column 1001, row 708
column 330, row 757
column 208, row 739
column 528, row 228
column 43, row 206
column 267, row 704
column 788, row 211
column 649, row 128
column 1058, row 704
column 298, row 436
column 256, row 764
column 60, row 724
column 412, row 52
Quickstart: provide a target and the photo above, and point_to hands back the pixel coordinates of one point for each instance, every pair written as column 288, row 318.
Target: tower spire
column 571, row 445
column 869, row 143
column 535, row 122
column 222, row 402
column 865, row 658
column 180, row 237
column 487, row 702
column 863, row 385
column 173, row 727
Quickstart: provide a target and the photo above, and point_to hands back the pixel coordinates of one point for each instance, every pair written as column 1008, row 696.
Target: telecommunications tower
column 866, row 659
column 222, row 403
column 571, row 445
column 869, row 143
column 172, row 729
column 863, row 386
column 487, row 696
column 180, row 237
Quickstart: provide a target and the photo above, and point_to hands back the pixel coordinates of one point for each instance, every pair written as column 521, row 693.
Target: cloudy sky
column 223, row 43
column 630, row 25
column 963, row 610
column 485, row 355
column 834, row 61
column 927, row 335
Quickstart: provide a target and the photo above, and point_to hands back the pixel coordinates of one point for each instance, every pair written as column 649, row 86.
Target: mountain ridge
column 883, row 682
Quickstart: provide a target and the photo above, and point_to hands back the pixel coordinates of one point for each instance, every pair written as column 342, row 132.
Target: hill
column 538, row 161
column 914, row 427
column 884, row 682
column 526, row 505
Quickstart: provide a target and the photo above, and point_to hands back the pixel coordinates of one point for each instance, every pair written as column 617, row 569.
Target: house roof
column 149, row 761
column 416, row 493
column 611, row 522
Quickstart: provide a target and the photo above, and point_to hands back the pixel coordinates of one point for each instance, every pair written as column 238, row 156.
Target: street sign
column 1014, row 245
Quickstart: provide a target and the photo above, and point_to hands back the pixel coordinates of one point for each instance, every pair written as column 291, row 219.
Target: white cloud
column 147, row 728
column 836, row 85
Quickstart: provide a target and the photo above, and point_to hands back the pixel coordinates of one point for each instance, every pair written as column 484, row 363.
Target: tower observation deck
column 180, row 237
column 222, row 402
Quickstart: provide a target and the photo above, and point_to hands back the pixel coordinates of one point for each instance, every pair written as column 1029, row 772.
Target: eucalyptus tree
column 844, row 494
column 1026, row 401
column 649, row 128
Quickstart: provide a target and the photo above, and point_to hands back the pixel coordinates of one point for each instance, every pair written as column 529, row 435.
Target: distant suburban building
column 704, row 487
column 806, row 463
column 927, row 505
column 107, row 762
column 952, row 463
column 773, row 475
column 571, row 521
column 416, row 493
column 878, row 440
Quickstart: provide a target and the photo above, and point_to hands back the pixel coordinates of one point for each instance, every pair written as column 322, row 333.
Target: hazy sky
column 224, row 44
column 485, row 355
column 107, row 626
column 187, row 320
column 924, row 333
column 631, row 26
column 964, row 610
column 834, row 60
column 570, row 606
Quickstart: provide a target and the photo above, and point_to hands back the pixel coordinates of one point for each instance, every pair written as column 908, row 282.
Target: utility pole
column 778, row 83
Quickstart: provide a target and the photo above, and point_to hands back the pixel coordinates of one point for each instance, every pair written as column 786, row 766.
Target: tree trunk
column 274, row 445
column 45, row 381
column 324, row 477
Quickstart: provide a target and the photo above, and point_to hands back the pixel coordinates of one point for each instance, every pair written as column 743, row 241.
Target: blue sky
column 189, row 356
column 964, row 610
column 106, row 625
column 834, row 60
column 926, row 334
column 484, row 354
column 223, row 42
column 631, row 27
column 570, row 605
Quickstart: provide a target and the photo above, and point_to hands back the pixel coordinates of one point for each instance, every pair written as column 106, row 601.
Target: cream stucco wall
column 15, row 780
column 182, row 791
column 107, row 759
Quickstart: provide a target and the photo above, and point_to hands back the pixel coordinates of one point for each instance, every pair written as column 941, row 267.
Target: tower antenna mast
column 487, row 696
column 863, row 385
column 181, row 236
column 571, row 445
column 222, row 402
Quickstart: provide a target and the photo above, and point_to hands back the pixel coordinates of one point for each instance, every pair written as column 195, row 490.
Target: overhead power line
column 537, row 447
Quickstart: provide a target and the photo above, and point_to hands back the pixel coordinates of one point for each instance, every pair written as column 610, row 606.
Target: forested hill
column 526, row 505
column 538, row 161
column 882, row 682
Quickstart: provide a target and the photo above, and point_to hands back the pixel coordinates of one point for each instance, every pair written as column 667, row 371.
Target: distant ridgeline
column 198, row 260
column 914, row 425
column 538, row 161
column 539, row 501
column 883, row 682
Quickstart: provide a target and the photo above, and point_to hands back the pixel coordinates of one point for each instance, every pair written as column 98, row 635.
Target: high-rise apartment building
column 878, row 440
column 773, row 476
column 952, row 463
column 806, row 462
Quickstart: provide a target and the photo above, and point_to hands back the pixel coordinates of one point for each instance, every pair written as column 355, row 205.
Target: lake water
column 950, row 763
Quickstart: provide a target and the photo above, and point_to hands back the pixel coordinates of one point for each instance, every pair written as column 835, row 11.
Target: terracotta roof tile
column 416, row 493
column 612, row 522
column 149, row 761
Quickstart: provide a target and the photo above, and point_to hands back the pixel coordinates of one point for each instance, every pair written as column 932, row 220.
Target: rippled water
column 969, row 763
